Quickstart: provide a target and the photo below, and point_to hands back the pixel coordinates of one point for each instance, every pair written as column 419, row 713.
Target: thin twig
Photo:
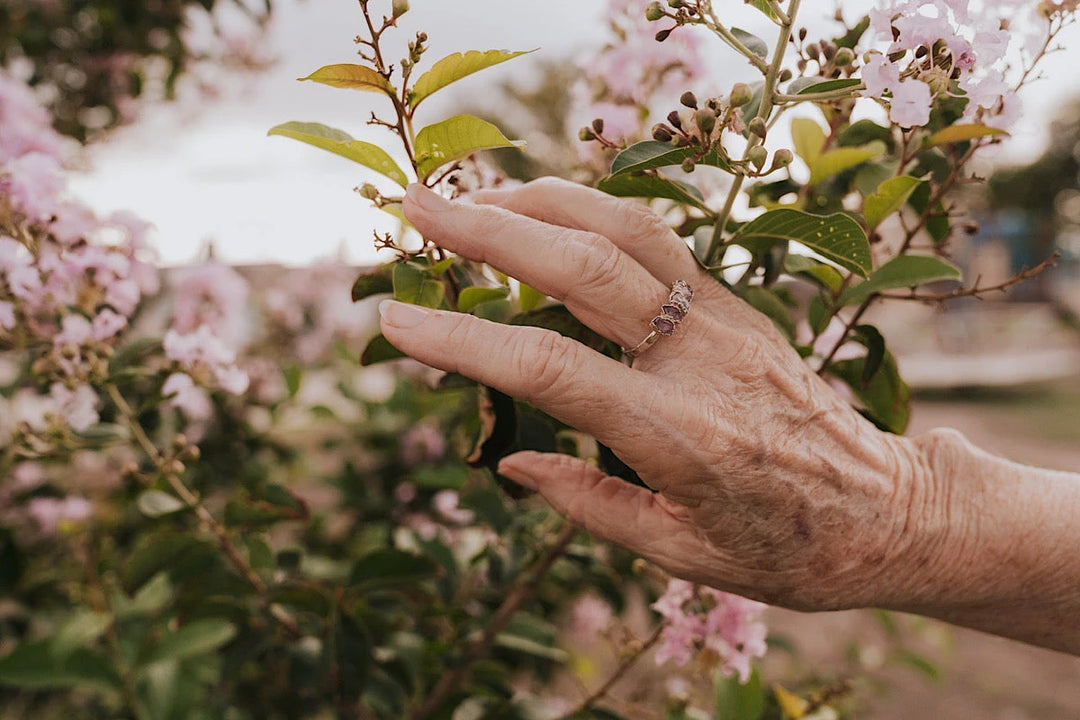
column 522, row 591
column 975, row 290
column 621, row 671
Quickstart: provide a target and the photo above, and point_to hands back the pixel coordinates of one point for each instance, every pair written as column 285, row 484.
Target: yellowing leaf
column 794, row 707
column 456, row 138
column 837, row 161
column 454, row 67
column 889, row 197
column 960, row 133
column 809, row 139
column 341, row 143
column 352, row 77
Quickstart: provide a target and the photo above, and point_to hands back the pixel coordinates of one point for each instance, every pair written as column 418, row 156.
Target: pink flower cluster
column 634, row 74
column 722, row 630
column 934, row 43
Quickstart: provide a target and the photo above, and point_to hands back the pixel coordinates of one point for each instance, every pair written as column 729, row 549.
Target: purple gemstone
column 663, row 325
column 674, row 312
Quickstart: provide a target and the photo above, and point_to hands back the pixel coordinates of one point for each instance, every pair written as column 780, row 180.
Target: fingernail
column 402, row 315
column 426, row 199
column 518, row 474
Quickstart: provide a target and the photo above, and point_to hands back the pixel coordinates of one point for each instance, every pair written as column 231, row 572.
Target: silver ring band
column 672, row 313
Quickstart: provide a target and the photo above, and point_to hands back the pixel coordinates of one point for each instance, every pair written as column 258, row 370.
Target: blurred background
column 1004, row 369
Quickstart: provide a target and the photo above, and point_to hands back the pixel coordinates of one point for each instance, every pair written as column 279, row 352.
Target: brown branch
column 616, row 676
column 522, row 591
column 166, row 467
column 975, row 290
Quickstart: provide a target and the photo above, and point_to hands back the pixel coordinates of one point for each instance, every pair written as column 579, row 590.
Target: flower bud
column 757, row 155
column 654, row 11
column 586, row 134
column 688, row 165
column 844, row 57
column 782, row 158
column 689, row 100
column 813, row 52
column 705, row 120
column 399, row 7
column 785, row 75
column 368, row 191
column 741, row 94
column 662, row 132
column 662, row 35
column 757, row 127
column 802, row 34
column 598, row 126
column 674, row 119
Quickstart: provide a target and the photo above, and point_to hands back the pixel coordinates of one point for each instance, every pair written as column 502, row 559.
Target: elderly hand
column 767, row 483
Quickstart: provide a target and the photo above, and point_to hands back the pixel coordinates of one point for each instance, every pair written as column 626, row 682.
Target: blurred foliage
column 93, row 58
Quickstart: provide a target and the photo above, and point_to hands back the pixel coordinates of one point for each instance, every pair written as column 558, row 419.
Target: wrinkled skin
column 767, row 483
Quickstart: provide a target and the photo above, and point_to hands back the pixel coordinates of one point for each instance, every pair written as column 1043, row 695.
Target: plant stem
column 161, row 463
column 523, row 590
column 623, row 668
column 764, row 111
column 714, row 24
column 841, row 94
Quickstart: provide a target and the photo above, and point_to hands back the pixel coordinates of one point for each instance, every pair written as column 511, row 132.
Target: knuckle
column 543, row 357
column 598, row 261
column 643, row 225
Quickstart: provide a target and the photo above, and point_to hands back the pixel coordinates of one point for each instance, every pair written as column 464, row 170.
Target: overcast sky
column 209, row 173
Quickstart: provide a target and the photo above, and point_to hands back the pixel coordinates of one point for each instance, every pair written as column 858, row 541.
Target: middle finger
column 603, row 286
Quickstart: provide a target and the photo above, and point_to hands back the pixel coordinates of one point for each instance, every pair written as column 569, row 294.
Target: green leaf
column 808, row 137
column 379, row 350
column 960, row 133
column 155, row 503
column 531, row 647
column 151, row 598
column 824, row 275
column 456, row 138
column 890, row 197
column 819, row 85
column 627, row 184
column 735, row 701
column 752, row 42
column 293, row 375
column 905, row 271
column 352, row 77
column 341, row 143
column 454, row 67
column 390, row 566
column 870, row 337
column 161, row 551
column 765, row 302
column 472, row 296
column 652, row 154
column 938, row 224
column 33, row 666
column 78, row 631
column 886, row 397
column 198, row 637
column 836, row 161
column 764, row 7
column 413, row 286
column 529, row 298
column 836, row 237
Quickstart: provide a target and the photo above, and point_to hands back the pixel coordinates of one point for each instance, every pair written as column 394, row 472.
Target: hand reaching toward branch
column 766, row 483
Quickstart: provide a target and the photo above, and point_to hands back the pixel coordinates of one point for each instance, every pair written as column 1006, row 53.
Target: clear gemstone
column 663, row 325
column 674, row 312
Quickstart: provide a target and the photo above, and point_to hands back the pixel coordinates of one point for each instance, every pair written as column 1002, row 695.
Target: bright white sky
column 209, row 173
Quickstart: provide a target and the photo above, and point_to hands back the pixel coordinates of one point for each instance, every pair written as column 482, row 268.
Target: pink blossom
column 7, row 315
column 232, row 379
column 212, row 295
column 74, row 222
column 202, row 345
column 25, row 125
column 422, row 443
column 124, row 296
column 445, row 503
column 75, row 330
column 879, row 75
column 187, row 397
column 107, row 324
column 911, row 103
column 725, row 629
column 27, row 476
column 34, row 185
column 51, row 514
column 591, row 615
column 78, row 407
column 405, row 492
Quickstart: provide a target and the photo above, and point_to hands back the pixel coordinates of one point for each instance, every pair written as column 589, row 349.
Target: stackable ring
column 671, row 314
